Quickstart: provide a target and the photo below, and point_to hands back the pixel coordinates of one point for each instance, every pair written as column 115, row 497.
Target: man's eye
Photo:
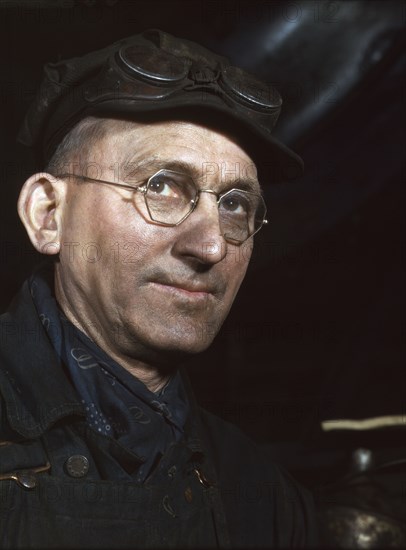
column 164, row 187
column 234, row 204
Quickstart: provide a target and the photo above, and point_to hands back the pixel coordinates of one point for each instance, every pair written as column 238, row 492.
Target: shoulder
column 233, row 452
column 256, row 492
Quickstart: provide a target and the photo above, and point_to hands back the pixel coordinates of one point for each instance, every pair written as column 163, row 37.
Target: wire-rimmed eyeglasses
column 170, row 197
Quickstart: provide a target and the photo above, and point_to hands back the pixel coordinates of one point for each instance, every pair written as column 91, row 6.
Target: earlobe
column 39, row 208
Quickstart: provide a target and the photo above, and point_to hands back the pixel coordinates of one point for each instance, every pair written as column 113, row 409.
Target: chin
column 173, row 352
column 183, row 347
column 167, row 342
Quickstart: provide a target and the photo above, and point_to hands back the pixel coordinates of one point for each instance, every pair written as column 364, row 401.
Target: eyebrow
column 146, row 167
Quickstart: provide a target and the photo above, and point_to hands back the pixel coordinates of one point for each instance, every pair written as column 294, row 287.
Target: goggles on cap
column 163, row 73
column 151, row 79
column 165, row 78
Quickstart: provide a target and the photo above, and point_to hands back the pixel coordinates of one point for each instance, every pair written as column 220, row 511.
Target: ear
column 40, row 207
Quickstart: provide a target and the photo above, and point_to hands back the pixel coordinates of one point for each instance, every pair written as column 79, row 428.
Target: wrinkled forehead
column 142, row 148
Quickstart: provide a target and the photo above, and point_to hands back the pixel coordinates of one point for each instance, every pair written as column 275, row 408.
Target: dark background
column 317, row 332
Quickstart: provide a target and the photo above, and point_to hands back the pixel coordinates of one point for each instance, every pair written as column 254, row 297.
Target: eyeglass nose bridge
column 200, row 191
column 208, row 191
column 195, row 202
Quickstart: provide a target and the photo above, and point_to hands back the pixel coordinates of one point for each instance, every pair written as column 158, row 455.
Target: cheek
column 237, row 261
column 101, row 230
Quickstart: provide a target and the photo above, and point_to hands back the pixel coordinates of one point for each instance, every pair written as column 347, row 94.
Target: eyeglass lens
column 171, row 196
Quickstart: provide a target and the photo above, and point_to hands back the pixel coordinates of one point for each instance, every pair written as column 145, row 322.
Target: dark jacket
column 215, row 488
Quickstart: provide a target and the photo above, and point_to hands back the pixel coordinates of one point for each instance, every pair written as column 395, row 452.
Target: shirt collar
column 33, row 384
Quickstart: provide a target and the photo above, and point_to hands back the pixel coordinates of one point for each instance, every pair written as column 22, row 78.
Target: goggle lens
column 162, row 68
column 153, row 64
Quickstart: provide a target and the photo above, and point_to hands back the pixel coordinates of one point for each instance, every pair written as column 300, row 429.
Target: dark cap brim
column 275, row 161
column 96, row 84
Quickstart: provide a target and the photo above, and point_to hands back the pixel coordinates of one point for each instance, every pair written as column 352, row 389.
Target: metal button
column 27, row 481
column 203, row 479
column 167, row 506
column 172, row 471
column 26, row 478
column 77, row 466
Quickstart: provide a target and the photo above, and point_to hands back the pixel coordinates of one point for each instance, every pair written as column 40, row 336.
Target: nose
column 200, row 235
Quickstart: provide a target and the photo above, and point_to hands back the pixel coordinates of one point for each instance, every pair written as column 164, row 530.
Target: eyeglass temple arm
column 140, row 188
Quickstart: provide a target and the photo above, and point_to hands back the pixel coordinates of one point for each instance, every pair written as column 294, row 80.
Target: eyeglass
column 170, row 197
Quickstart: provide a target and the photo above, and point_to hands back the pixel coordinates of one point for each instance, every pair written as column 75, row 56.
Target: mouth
column 185, row 290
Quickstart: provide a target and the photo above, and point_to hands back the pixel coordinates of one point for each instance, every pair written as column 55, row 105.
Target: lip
column 189, row 290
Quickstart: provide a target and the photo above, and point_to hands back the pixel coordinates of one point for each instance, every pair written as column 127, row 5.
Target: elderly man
column 146, row 209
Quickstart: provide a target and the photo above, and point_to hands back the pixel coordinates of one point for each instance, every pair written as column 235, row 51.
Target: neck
column 153, row 377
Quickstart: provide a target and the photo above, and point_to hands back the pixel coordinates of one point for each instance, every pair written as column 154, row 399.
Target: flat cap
column 156, row 76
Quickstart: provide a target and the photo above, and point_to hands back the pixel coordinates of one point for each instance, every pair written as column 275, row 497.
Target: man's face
column 151, row 291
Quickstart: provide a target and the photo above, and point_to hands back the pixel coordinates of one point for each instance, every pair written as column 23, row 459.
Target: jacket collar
column 33, row 383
